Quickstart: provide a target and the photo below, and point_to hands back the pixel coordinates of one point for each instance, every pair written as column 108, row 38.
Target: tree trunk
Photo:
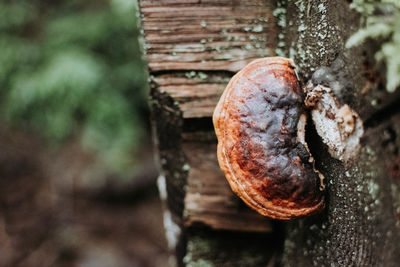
column 361, row 224
column 193, row 48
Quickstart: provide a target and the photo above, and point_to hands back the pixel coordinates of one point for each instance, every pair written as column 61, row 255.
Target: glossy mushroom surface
column 259, row 122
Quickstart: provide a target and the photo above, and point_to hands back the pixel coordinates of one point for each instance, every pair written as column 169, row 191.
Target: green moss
column 200, row 76
column 200, row 263
column 219, row 249
column 190, row 74
column 381, row 21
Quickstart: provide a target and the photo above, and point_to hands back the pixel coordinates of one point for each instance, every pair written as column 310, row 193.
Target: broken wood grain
column 193, row 48
column 203, row 37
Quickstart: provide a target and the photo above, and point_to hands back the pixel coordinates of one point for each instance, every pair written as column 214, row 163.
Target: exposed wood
column 206, row 36
column 193, row 48
column 198, row 46
column 196, row 93
column 209, row 199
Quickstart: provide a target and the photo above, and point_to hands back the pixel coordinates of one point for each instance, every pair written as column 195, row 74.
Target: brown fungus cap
column 259, row 122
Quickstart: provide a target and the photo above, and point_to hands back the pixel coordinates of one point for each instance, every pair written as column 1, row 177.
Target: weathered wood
column 194, row 39
column 193, row 48
column 209, row 199
column 196, row 93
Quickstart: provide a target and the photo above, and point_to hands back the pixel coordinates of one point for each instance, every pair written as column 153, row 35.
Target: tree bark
column 360, row 226
column 193, row 48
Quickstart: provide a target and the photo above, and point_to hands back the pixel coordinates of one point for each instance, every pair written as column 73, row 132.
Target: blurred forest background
column 77, row 179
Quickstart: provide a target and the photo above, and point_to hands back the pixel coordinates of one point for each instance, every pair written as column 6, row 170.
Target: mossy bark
column 361, row 224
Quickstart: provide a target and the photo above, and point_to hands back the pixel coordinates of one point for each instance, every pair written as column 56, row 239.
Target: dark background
column 77, row 178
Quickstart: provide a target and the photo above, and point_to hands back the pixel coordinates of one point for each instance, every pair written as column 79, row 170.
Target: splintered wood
column 193, row 48
column 189, row 40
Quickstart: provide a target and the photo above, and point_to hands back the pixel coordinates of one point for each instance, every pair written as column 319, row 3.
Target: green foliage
column 74, row 68
column 382, row 21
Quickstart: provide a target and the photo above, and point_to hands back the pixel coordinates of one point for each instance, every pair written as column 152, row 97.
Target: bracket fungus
column 259, row 122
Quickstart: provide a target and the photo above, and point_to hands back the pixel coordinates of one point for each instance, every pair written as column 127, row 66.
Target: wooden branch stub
column 193, row 48
column 191, row 40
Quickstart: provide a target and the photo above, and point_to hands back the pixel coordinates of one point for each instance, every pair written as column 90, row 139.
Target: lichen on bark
column 360, row 224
